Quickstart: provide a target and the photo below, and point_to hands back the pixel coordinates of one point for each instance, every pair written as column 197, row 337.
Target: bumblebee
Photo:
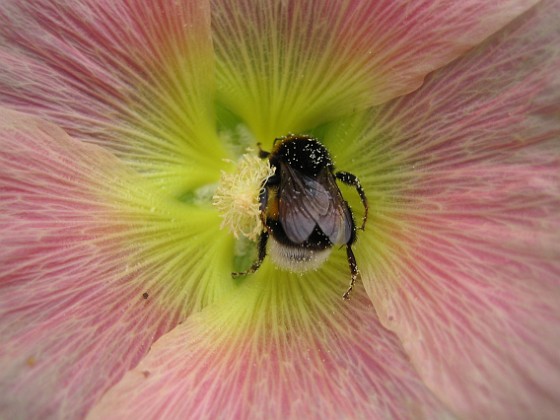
column 302, row 208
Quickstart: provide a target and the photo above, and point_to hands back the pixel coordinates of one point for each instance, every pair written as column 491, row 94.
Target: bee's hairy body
column 303, row 210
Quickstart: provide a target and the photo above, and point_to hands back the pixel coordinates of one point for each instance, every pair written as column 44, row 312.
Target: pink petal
column 292, row 65
column 463, row 248
column 284, row 347
column 94, row 268
column 133, row 76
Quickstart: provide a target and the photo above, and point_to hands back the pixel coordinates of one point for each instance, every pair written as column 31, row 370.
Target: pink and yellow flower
column 117, row 119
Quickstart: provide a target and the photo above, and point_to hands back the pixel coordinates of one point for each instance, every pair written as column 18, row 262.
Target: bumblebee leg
column 352, row 180
column 262, row 253
column 354, row 273
column 263, row 200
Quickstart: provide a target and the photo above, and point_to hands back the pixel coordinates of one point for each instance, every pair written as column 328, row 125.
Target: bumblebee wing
column 306, row 202
column 337, row 224
column 296, row 213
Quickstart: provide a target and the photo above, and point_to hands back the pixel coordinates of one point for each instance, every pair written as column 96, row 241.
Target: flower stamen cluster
column 237, row 196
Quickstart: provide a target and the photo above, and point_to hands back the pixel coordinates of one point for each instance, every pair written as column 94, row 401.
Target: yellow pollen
column 237, row 196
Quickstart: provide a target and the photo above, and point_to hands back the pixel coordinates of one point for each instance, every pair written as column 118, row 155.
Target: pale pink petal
column 283, row 347
column 463, row 246
column 93, row 268
column 135, row 76
column 292, row 65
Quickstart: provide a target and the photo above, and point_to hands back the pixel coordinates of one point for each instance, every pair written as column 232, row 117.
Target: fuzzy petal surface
column 292, row 65
column 463, row 247
column 285, row 346
column 134, row 76
column 95, row 267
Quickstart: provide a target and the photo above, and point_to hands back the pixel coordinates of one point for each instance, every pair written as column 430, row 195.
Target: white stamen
column 237, row 196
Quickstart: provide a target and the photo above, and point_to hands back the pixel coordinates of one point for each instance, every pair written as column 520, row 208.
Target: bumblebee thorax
column 303, row 153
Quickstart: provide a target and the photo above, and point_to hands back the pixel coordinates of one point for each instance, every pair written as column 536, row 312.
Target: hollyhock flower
column 118, row 119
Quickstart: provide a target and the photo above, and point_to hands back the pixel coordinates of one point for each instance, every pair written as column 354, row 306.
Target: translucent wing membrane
column 306, row 203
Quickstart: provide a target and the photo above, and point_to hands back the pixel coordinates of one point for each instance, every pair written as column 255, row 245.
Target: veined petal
column 134, row 76
column 463, row 248
column 284, row 347
column 291, row 65
column 95, row 267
